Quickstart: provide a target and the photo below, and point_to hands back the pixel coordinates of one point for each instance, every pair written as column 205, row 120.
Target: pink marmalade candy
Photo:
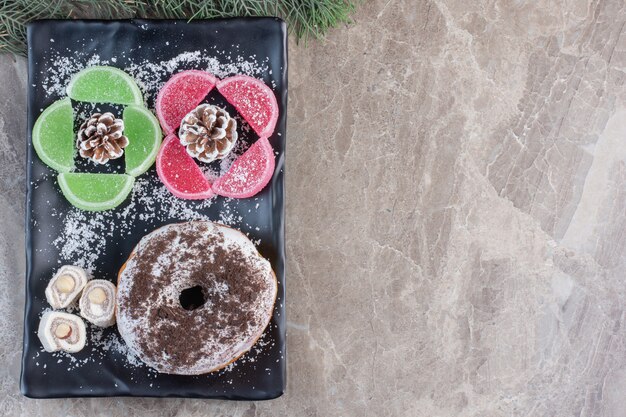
column 249, row 174
column 179, row 172
column 180, row 95
column 254, row 100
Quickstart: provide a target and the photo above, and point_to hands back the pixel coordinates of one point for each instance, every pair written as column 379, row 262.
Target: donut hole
column 192, row 298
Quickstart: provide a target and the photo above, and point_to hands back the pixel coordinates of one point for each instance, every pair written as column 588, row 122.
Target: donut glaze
column 237, row 286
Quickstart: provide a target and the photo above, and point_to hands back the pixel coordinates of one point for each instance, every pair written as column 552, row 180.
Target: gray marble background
column 467, row 254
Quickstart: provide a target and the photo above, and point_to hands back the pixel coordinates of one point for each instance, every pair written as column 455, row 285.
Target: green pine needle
column 306, row 18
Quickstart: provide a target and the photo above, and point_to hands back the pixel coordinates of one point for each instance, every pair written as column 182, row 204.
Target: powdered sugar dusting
column 150, row 76
column 150, row 202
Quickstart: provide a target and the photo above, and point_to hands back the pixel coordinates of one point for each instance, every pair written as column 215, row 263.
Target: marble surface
column 465, row 256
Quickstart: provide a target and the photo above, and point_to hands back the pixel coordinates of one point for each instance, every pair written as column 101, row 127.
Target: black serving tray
column 125, row 43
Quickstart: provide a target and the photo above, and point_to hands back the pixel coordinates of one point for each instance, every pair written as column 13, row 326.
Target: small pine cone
column 100, row 138
column 208, row 132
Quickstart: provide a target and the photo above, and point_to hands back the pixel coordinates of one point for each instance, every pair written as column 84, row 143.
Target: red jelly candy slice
column 179, row 171
column 249, row 174
column 254, row 100
column 180, row 95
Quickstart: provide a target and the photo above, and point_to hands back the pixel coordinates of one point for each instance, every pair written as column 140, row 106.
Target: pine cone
column 101, row 138
column 208, row 132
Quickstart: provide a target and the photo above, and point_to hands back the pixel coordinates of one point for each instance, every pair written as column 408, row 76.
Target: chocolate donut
column 193, row 297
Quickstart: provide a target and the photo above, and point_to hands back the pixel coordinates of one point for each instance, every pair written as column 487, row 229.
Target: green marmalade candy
column 95, row 192
column 54, row 139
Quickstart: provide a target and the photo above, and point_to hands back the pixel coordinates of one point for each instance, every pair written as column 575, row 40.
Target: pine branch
column 306, row 18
